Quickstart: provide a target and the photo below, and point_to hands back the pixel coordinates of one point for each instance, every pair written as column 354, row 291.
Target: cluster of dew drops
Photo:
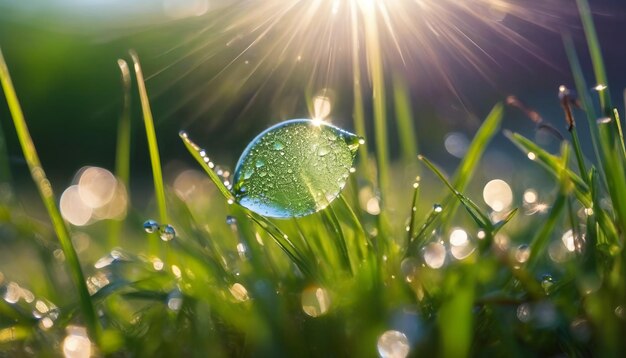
column 166, row 232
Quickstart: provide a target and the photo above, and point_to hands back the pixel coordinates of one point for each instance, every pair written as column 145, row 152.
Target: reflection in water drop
column 434, row 255
column 76, row 344
column 437, row 208
column 393, row 344
column 315, row 301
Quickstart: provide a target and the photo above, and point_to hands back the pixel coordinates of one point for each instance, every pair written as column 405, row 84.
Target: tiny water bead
column 393, row 344
column 150, row 226
column 166, row 232
column 294, row 168
column 547, row 282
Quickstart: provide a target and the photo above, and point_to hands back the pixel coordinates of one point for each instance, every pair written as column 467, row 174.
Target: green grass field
column 394, row 266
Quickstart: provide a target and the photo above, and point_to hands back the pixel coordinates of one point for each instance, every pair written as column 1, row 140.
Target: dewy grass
column 241, row 284
column 49, row 200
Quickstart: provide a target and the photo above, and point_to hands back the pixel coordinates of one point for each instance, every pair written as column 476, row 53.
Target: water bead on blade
column 294, row 168
column 150, row 226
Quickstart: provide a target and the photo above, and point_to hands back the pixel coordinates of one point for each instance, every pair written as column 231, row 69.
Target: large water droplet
column 282, row 169
column 393, row 344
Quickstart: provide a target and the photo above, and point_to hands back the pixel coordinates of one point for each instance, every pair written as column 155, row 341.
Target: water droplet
column 524, row 312
column 323, row 150
column 522, row 253
column 604, row 120
column 167, row 233
column 175, row 300
column 312, row 158
column 437, row 208
column 315, row 301
column 393, row 344
column 150, row 226
column 547, row 282
column 532, row 156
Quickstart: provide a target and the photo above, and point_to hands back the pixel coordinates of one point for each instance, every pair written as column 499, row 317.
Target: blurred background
column 224, row 70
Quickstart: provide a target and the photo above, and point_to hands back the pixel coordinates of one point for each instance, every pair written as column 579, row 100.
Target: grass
column 235, row 283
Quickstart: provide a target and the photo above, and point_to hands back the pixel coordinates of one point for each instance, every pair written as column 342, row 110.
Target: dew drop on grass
column 393, row 344
column 283, row 168
column 547, row 282
column 167, row 232
column 150, row 226
column 437, row 208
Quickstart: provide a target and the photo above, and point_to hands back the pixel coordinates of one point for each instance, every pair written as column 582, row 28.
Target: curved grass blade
column 49, row 200
column 122, row 151
column 481, row 219
column 153, row 147
column 200, row 155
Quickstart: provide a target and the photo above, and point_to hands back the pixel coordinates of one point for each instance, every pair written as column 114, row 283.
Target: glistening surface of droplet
column 304, row 167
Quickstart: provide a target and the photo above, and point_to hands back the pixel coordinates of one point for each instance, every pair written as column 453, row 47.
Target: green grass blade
column 153, row 147
column 358, row 109
column 49, row 200
column 122, row 151
column 541, row 239
column 487, row 131
column 413, row 212
column 404, row 117
column 465, row 171
column 583, row 93
column 481, row 218
column 200, row 155
column 456, row 311
column 596, row 55
column 375, row 62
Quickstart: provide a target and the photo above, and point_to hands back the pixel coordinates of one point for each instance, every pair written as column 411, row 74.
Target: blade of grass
column 464, row 173
column 153, row 147
column 358, row 111
column 596, row 55
column 122, row 152
column 47, row 196
column 375, row 66
column 481, row 219
column 404, row 117
column 200, row 155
